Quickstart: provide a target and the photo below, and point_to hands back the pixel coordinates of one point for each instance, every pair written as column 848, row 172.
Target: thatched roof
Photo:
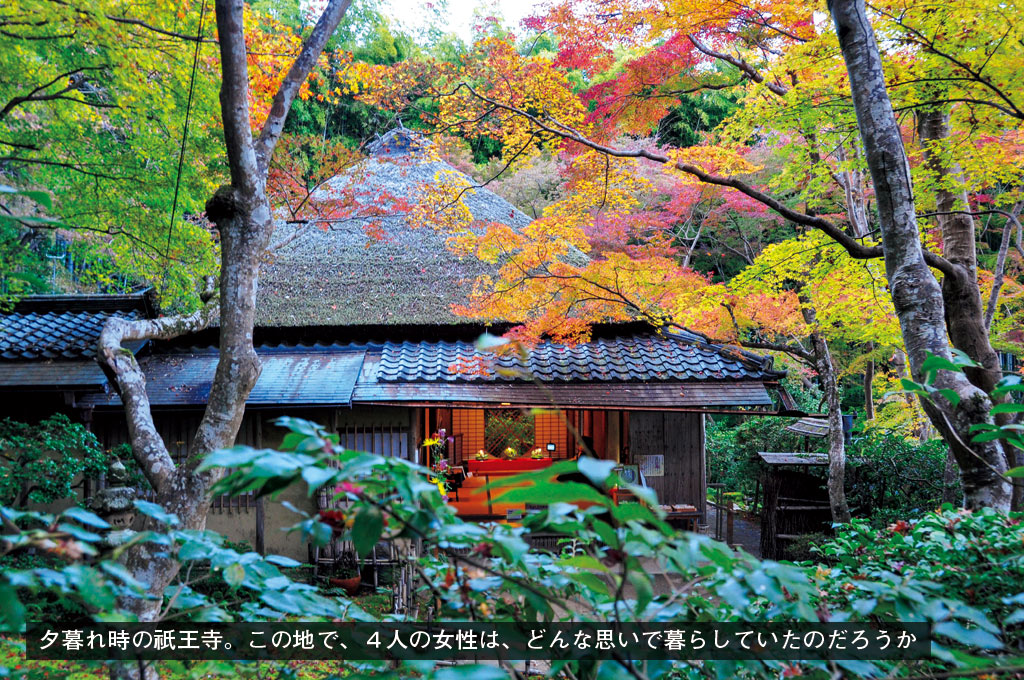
column 341, row 277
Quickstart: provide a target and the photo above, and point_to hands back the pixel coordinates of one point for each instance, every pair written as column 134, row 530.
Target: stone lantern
column 115, row 503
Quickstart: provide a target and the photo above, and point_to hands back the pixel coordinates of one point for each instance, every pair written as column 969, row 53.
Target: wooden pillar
column 613, row 436
column 261, row 546
column 415, row 418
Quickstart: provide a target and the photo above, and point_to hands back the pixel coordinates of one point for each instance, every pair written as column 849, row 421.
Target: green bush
column 960, row 572
column 39, row 463
column 892, row 478
column 508, row 428
column 734, row 441
column 732, row 450
column 977, row 557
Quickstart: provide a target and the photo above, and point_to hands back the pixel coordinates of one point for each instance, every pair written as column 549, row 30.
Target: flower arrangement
column 481, row 455
column 437, row 446
column 537, row 454
column 511, row 453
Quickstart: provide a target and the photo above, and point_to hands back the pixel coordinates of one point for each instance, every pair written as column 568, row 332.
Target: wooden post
column 730, row 516
column 261, row 546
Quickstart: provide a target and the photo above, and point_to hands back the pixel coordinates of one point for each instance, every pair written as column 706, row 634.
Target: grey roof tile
column 53, row 335
column 636, row 358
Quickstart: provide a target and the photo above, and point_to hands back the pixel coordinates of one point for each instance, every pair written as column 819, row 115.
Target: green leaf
column 12, row 611
column 973, row 637
column 590, row 581
column 933, row 363
column 156, row 512
column 1014, row 618
column 644, row 590
column 913, row 387
column 316, row 477
column 79, row 533
column 583, row 562
column 1016, row 472
column 595, row 469
column 555, row 492
column 961, row 359
column 234, row 575
column 282, row 561
column 85, row 517
column 236, row 456
column 951, row 396
column 40, row 197
column 366, row 530
column 488, row 342
column 1009, row 383
column 1007, row 408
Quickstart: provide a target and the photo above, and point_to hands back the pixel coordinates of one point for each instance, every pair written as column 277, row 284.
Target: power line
column 184, row 137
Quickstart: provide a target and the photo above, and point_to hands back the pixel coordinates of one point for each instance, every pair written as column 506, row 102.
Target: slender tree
column 916, row 293
column 242, row 214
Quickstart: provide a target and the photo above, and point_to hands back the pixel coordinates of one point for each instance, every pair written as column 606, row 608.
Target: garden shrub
column 805, row 546
column 733, row 442
column 732, row 450
column 486, row 572
column 893, row 478
column 976, row 556
column 40, row 462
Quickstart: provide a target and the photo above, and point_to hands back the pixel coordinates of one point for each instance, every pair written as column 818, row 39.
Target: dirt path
column 746, row 533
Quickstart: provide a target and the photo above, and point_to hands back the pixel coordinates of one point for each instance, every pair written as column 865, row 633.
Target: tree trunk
column 869, row 381
column 242, row 213
column 836, row 440
column 965, row 313
column 917, row 296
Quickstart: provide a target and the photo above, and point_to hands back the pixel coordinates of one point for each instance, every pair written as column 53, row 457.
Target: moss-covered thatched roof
column 342, row 277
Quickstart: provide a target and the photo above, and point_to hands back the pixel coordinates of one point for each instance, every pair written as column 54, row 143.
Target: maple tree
column 619, row 70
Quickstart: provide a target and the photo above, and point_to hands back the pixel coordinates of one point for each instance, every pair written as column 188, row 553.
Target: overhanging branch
column 855, row 248
column 148, row 446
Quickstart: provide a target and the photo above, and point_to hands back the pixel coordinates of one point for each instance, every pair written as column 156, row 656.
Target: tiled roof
column 307, row 375
column 636, row 358
column 54, row 335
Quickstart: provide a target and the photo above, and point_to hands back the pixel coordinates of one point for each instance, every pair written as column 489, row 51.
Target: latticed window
column 508, row 428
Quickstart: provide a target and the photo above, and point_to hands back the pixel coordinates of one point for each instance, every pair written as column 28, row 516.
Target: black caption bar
column 480, row 641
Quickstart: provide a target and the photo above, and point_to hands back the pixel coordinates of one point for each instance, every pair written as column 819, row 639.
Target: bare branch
column 155, row 29
column 855, row 248
column 36, row 94
column 234, row 96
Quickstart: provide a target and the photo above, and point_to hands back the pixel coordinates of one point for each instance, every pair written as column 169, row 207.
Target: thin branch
column 1012, row 224
column 749, row 71
column 855, row 248
column 161, row 31
column 35, row 96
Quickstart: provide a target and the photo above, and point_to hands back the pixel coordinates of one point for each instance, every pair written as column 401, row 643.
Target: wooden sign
column 652, row 466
